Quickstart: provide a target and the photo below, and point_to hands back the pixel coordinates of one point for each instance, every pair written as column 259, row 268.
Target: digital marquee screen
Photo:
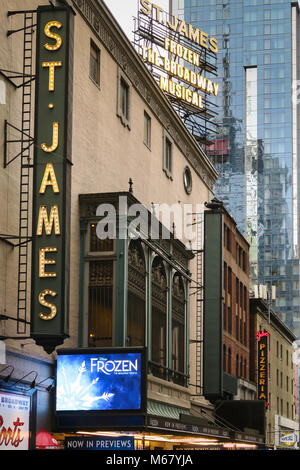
column 99, row 380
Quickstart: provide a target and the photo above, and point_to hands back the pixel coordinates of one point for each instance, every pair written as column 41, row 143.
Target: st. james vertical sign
column 52, row 176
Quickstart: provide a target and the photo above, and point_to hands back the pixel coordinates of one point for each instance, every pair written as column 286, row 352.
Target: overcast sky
column 125, row 10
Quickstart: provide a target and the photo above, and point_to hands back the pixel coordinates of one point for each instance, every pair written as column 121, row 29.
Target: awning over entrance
column 164, row 410
column 163, row 418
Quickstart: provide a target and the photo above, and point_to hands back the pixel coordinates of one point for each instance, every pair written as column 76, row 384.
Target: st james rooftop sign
column 179, row 56
column 180, row 26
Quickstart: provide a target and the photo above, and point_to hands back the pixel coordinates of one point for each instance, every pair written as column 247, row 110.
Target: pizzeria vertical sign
column 52, row 176
column 263, row 366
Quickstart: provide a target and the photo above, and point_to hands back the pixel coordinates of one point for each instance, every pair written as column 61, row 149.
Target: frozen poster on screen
column 98, row 382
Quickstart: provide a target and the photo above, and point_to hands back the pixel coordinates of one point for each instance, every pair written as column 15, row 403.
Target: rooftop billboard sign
column 182, row 59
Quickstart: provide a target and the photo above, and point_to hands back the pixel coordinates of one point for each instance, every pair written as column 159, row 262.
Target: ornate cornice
column 103, row 25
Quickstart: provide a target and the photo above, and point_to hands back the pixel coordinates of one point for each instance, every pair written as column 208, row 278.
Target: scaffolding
column 150, row 34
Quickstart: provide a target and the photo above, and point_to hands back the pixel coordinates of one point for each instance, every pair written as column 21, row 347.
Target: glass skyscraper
column 256, row 144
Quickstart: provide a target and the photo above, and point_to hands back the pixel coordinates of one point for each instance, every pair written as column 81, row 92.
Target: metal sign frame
column 152, row 29
column 52, row 176
column 263, row 366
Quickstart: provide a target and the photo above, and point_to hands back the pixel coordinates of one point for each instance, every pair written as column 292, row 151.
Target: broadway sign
column 52, row 176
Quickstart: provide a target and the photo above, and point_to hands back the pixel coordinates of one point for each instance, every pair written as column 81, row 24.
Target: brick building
column 226, row 308
column 236, row 331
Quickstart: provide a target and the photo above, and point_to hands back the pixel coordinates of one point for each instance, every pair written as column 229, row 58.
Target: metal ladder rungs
column 24, row 177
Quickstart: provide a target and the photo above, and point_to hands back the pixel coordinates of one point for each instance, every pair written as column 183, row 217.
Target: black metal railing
column 165, row 373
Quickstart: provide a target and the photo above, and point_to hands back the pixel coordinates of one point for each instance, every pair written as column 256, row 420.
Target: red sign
column 14, row 421
column 11, row 436
column 260, row 334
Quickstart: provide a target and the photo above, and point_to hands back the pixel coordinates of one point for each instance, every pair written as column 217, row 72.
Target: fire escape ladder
column 26, row 164
column 199, row 301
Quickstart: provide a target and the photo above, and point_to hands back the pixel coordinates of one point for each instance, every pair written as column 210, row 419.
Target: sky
column 125, row 10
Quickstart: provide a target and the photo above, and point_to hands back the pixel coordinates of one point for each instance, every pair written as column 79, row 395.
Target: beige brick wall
column 11, row 52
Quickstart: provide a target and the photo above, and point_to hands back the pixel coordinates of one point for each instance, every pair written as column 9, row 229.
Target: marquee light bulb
column 51, row 35
column 51, row 66
column 49, row 171
column 42, row 301
column 43, row 219
column 43, row 261
column 54, row 139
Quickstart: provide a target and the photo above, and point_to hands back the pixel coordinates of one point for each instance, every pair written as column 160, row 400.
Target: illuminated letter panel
column 52, row 157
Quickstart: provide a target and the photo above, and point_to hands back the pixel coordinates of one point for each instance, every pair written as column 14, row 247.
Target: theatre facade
column 102, row 185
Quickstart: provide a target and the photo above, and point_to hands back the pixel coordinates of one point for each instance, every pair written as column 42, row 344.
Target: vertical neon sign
column 263, row 366
column 52, row 176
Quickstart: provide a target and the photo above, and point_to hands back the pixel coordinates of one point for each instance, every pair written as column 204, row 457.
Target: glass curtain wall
column 255, row 149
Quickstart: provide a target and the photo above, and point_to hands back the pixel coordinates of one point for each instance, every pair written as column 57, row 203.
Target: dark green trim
column 156, row 408
column 51, row 333
column 120, row 324
column 169, row 316
column 213, row 305
column 149, row 304
column 230, row 384
column 83, row 231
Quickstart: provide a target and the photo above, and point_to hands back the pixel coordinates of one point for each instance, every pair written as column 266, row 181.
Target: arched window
column 224, row 358
column 136, row 307
column 178, row 329
column 229, row 361
column 229, row 320
column 159, row 303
